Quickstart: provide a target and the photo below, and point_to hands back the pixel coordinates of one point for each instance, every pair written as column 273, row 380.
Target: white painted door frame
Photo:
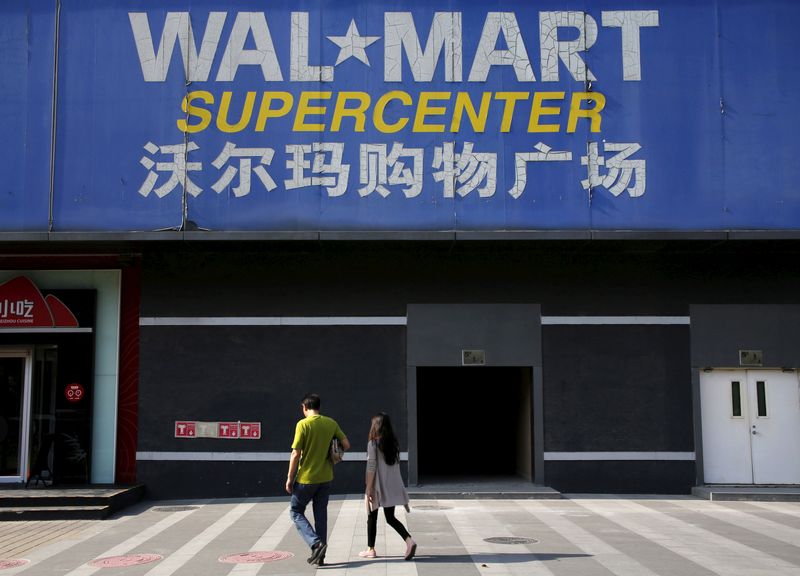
column 25, row 417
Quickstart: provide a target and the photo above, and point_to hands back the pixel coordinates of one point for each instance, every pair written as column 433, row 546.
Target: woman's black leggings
column 372, row 525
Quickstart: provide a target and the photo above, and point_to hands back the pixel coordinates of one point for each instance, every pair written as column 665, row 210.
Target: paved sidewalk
column 575, row 536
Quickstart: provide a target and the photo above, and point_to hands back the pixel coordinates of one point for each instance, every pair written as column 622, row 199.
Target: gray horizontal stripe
column 274, row 321
column 588, row 456
column 238, row 456
column 615, row 320
column 45, row 330
column 389, row 320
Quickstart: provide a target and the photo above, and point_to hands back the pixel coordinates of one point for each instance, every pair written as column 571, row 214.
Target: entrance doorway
column 751, row 419
column 15, row 389
column 474, row 421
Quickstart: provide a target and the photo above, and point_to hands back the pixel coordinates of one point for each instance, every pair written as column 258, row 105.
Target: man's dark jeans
column 302, row 494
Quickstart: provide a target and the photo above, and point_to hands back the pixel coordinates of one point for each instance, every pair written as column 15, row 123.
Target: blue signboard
column 384, row 115
column 27, row 36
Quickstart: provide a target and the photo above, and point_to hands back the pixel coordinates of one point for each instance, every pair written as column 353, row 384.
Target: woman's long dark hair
column 381, row 431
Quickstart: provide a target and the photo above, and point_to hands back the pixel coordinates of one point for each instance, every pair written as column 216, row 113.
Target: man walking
column 311, row 473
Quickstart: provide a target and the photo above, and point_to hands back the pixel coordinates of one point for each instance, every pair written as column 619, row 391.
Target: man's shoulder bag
column 336, row 452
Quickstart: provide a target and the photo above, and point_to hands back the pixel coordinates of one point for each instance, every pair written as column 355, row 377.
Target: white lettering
column 299, row 70
column 177, row 26
column 263, row 55
column 486, row 56
column 401, row 34
column 567, row 51
column 630, row 22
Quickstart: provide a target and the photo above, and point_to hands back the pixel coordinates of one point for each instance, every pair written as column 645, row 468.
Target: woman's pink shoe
column 368, row 553
column 411, row 549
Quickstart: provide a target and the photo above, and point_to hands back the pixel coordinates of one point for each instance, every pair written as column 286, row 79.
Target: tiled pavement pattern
column 576, row 536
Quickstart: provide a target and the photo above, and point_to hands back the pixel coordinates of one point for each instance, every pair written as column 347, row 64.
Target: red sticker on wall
column 74, row 392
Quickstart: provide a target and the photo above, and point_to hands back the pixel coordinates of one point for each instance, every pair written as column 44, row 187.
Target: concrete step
column 448, row 495
column 66, row 503
column 486, row 488
column 25, row 513
column 748, row 493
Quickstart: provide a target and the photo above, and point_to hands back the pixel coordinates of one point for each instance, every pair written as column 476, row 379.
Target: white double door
column 751, row 426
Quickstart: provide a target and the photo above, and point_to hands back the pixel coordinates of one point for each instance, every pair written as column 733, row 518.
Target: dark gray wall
column 510, row 334
column 205, row 373
column 720, row 331
column 374, row 278
column 617, row 388
column 231, row 373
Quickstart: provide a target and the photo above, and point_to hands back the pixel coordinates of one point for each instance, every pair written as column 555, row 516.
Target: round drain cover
column 121, row 561
column 6, row 564
column 174, row 508
column 432, row 507
column 510, row 540
column 256, row 557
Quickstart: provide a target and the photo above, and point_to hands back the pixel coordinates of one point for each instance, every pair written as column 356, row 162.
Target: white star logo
column 353, row 44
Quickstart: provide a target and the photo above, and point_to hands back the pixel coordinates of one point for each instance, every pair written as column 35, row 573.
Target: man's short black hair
column 311, row 402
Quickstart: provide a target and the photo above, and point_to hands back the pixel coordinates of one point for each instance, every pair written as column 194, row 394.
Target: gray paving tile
column 587, row 536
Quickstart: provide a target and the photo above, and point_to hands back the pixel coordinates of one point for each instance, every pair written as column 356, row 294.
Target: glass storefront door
column 15, row 386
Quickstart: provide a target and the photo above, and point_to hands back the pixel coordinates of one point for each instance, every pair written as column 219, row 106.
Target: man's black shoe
column 317, row 553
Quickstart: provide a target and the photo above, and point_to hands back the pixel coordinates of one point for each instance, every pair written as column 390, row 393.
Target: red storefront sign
column 185, row 429
column 23, row 306
column 250, row 430
column 74, row 392
column 228, row 430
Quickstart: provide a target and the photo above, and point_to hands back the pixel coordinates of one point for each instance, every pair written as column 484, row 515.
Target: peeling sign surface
column 246, row 116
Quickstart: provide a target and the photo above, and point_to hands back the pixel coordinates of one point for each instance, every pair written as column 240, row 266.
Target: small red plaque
column 74, row 392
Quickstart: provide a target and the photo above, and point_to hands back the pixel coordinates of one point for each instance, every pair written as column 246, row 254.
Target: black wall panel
column 606, row 388
column 261, row 374
column 231, row 373
column 617, row 388
column 181, row 480
column 615, row 477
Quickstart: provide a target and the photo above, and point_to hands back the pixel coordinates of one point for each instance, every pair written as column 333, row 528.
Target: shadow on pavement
column 487, row 559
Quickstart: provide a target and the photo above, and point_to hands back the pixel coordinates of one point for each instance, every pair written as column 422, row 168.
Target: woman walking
column 385, row 487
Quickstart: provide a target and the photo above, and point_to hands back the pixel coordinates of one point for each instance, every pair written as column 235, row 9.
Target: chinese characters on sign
column 320, row 164
column 16, row 310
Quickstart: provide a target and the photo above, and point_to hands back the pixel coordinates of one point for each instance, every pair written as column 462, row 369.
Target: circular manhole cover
column 432, row 507
column 6, row 564
column 122, row 561
column 175, row 508
column 510, row 540
column 256, row 557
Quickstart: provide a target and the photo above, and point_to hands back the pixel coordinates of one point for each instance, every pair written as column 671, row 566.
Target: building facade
column 552, row 242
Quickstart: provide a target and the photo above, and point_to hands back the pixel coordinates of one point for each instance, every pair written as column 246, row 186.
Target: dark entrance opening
column 474, row 421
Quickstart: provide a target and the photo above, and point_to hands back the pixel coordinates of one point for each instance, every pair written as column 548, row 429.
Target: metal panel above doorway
column 505, row 334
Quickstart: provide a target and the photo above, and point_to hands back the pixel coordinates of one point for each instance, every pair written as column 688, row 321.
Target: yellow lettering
column 575, row 110
column 266, row 111
column 244, row 119
column 424, row 110
column 537, row 110
column 358, row 113
column 203, row 114
column 464, row 104
column 380, row 106
column 511, row 99
column 303, row 110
